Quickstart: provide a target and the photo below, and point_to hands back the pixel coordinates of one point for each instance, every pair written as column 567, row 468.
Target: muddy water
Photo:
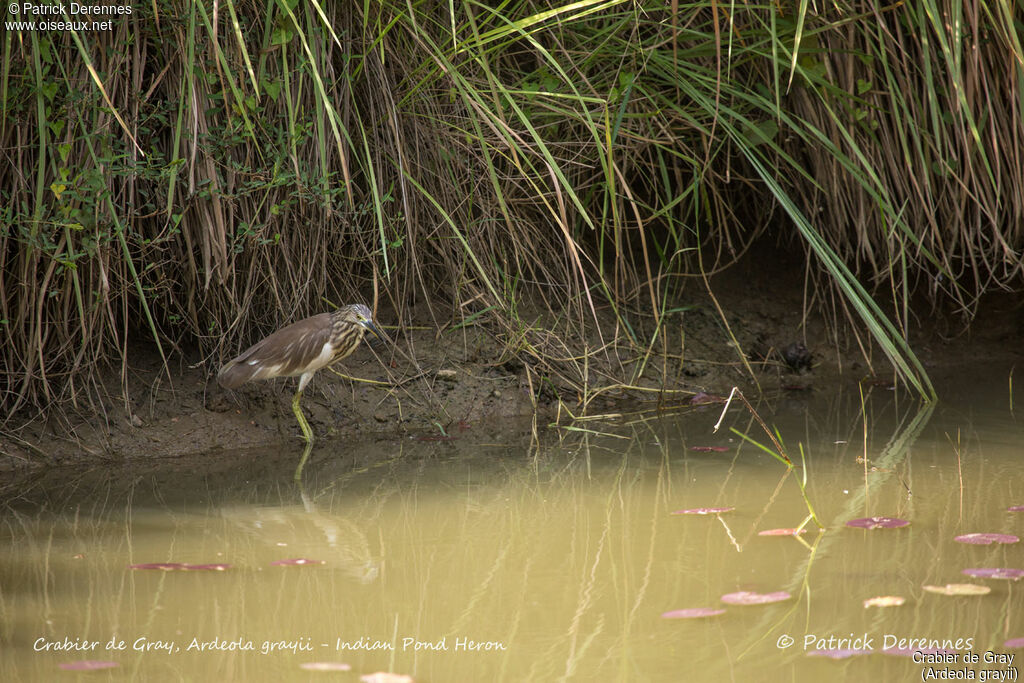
column 495, row 557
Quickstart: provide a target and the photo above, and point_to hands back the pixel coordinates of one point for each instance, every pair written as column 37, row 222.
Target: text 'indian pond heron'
column 302, row 348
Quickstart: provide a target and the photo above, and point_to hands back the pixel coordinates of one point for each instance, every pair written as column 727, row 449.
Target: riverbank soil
column 464, row 376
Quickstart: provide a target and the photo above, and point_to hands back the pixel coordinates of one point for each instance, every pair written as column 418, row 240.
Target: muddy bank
column 466, row 378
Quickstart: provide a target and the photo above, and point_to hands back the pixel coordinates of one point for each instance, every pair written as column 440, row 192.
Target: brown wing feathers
column 286, row 353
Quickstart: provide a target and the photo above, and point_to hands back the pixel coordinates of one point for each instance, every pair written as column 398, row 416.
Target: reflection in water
column 310, row 533
column 492, row 557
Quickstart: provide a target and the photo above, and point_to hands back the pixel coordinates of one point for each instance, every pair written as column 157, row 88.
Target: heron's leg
column 307, row 433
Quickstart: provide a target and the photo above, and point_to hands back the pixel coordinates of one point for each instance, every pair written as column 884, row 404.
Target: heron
column 299, row 350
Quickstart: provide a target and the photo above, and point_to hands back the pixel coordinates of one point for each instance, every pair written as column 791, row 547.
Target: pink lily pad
column 703, row 511
column 1001, row 573
column 959, row 589
column 986, row 539
column 781, row 532
column 87, row 665
column 752, row 598
column 180, row 566
column 877, row 523
column 325, row 666
column 295, row 562
column 838, row 654
column 206, row 567
column 709, row 449
column 1014, row 643
column 692, row 613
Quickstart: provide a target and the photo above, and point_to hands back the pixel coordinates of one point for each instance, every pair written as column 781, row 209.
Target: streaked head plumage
column 358, row 314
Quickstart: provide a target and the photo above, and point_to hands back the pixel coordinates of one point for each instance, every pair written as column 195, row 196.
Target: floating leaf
column 1012, row 574
column 703, row 511
column 87, row 665
column 692, row 613
column 382, row 677
column 959, row 589
column 781, row 532
column 885, row 601
column 986, row 539
column 179, row 566
column 877, row 523
column 1014, row 642
column 838, row 654
column 325, row 666
column 751, row 598
column 206, row 567
column 295, row 562
column 709, row 449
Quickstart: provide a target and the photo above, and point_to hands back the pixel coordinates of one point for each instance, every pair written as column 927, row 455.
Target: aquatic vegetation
column 384, row 677
column 986, row 539
column 995, row 573
column 781, row 532
column 180, row 566
column 295, row 562
column 959, row 589
column 692, row 613
column 325, row 666
column 752, row 598
column 885, row 601
column 877, row 523
column 703, row 511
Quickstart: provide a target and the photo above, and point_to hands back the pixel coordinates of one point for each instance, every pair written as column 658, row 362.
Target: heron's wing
column 290, row 351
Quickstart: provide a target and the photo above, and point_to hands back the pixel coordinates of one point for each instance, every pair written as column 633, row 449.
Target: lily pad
column 206, row 567
column 383, row 677
column 781, row 532
column 325, row 666
column 180, row 566
column 885, row 601
column 959, row 589
column 752, row 598
column 986, row 539
column 995, row 573
column 295, row 562
column 877, row 523
column 709, row 449
column 692, row 613
column 703, row 511
column 87, row 665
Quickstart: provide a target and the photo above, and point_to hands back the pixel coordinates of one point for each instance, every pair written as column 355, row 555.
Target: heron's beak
column 377, row 337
